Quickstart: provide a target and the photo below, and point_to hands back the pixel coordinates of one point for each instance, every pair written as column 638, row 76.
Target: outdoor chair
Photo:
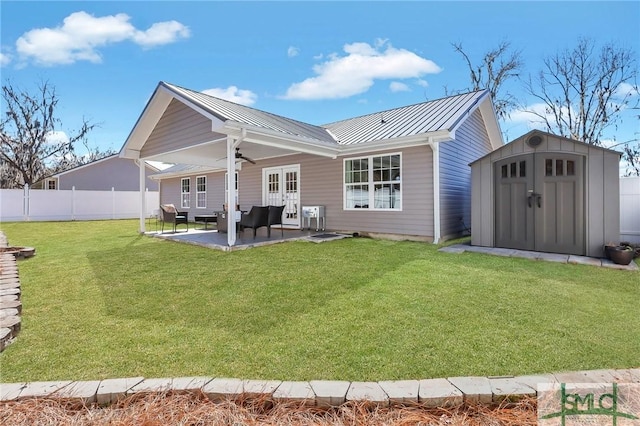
column 171, row 215
column 275, row 218
column 257, row 217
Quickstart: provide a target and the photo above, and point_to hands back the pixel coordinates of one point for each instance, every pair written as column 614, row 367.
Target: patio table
column 206, row 218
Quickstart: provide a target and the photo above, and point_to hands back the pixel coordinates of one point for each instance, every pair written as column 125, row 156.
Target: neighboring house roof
column 109, row 157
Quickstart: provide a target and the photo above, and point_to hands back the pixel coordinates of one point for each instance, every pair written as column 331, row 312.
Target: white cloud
column 293, row 51
column 81, row 34
column 422, row 83
column 56, row 137
column 161, row 33
column 354, row 73
column 626, row 89
column 233, row 94
column 5, row 59
column 396, row 86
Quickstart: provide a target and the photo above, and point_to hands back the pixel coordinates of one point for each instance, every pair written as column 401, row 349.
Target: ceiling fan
column 239, row 156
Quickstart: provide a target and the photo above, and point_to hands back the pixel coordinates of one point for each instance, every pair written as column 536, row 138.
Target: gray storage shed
column 546, row 193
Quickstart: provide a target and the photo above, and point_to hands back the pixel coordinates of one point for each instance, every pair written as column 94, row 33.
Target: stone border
column 431, row 393
column 10, row 304
column 535, row 255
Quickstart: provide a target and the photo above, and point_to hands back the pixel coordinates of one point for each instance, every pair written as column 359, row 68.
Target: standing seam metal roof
column 425, row 117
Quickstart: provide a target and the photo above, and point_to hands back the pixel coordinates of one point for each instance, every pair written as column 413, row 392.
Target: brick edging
column 10, row 304
column 452, row 391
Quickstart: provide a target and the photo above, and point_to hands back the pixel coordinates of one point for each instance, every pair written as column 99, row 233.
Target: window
column 226, row 187
column 201, row 192
column 185, row 192
column 373, row 183
column 51, row 184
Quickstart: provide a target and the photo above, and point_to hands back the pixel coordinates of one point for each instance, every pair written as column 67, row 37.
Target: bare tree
column 497, row 66
column 26, row 146
column 582, row 90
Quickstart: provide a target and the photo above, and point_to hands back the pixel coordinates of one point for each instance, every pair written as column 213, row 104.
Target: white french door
column 281, row 186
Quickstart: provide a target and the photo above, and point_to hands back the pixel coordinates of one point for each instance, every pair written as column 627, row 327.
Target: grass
column 101, row 301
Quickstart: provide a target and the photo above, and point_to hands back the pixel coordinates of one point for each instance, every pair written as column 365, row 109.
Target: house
column 401, row 173
column 544, row 192
column 113, row 171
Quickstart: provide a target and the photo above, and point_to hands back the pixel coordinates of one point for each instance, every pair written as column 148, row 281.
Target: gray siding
column 179, row 128
column 472, row 142
column 122, row 174
column 321, row 183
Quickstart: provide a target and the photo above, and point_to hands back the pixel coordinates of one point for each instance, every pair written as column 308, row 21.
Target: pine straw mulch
column 173, row 408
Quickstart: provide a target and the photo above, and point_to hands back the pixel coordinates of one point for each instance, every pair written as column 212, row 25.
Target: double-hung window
column 201, row 192
column 373, row 182
column 226, row 187
column 185, row 193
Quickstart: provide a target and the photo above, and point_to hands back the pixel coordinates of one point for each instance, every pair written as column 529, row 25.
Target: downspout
column 435, row 148
column 143, row 201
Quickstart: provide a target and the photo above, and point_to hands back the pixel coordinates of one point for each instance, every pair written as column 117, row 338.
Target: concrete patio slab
column 584, row 260
column 439, row 393
column 554, row 257
column 330, row 393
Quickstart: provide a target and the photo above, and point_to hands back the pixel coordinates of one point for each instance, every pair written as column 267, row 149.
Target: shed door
column 540, row 203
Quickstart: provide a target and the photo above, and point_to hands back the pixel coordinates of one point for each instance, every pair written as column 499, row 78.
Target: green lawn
column 101, row 301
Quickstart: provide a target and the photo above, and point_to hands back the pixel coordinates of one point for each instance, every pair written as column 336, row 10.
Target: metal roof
column 226, row 110
column 425, row 117
column 438, row 115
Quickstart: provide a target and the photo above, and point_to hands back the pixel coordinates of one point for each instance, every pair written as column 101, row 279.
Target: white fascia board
column 406, row 142
column 280, row 140
column 489, row 118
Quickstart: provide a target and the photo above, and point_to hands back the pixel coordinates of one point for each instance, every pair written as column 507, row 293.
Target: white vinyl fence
column 41, row 205
column 630, row 209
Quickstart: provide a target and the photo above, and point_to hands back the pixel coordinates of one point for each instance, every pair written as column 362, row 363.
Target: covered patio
column 180, row 126
column 211, row 238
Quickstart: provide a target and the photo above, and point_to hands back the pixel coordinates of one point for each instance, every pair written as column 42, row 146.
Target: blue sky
column 316, row 62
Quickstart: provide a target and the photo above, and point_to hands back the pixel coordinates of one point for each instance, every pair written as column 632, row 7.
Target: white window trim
column 371, row 183
column 226, row 187
column 201, row 192
column 182, row 194
column 46, row 184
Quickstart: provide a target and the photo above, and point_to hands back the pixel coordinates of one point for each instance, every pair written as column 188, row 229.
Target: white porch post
column 143, row 201
column 231, row 193
column 435, row 149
